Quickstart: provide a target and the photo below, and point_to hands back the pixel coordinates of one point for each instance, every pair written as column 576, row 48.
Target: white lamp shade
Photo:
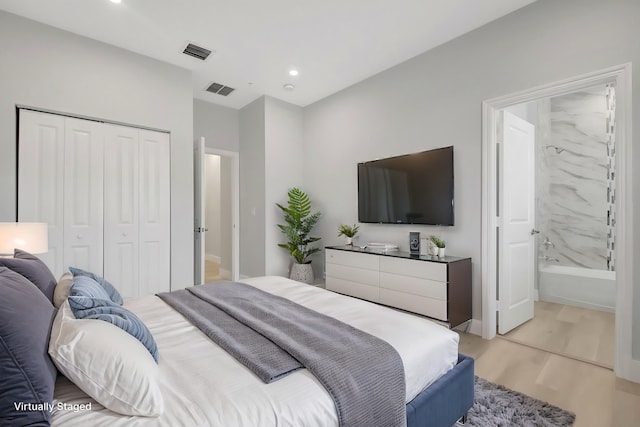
column 32, row 237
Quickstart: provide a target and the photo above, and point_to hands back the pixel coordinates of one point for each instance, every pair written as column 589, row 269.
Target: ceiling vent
column 219, row 89
column 196, row 51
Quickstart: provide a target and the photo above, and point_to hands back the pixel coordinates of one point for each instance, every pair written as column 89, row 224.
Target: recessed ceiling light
column 288, row 86
column 293, row 72
column 116, row 1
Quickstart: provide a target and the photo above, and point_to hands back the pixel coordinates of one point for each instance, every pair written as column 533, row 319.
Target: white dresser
column 435, row 287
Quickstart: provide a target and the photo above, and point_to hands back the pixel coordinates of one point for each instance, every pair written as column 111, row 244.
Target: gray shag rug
column 498, row 406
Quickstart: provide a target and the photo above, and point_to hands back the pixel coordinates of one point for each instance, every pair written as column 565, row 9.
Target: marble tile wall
column 574, row 155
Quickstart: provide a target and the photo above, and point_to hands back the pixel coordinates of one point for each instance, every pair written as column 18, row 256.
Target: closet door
column 83, row 195
column 41, row 179
column 155, row 171
column 121, row 213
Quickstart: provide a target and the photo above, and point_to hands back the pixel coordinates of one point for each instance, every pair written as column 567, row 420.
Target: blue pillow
column 87, row 287
column 87, row 307
column 113, row 293
column 27, row 374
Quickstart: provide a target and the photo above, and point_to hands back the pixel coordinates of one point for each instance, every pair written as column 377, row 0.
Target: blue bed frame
column 445, row 401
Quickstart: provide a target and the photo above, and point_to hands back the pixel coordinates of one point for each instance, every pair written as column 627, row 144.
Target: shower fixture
column 550, row 258
column 555, row 147
column 548, row 243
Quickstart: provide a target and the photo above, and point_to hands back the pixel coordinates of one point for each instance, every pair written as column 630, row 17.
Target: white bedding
column 204, row 386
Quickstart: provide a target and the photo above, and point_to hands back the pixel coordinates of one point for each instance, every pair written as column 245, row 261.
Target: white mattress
column 202, row 385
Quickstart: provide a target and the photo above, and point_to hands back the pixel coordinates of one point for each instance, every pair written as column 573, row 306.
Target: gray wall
column 271, row 159
column 52, row 69
column 219, row 125
column 434, row 100
column 252, row 189
column 284, row 170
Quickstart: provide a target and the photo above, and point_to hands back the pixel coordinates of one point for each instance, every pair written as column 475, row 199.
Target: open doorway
column 219, row 223
column 216, row 214
column 495, row 300
column 573, row 230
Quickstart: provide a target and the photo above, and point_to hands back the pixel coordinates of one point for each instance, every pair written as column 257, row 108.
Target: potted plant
column 299, row 222
column 439, row 243
column 348, row 231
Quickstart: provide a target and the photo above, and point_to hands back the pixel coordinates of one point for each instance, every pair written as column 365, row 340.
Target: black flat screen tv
column 411, row 189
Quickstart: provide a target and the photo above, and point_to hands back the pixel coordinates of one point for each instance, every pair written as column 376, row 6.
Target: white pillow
column 106, row 363
column 63, row 287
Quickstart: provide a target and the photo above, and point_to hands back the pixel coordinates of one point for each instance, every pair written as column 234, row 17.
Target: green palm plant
column 299, row 222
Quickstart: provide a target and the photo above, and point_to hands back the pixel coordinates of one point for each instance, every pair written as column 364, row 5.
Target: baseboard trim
column 476, row 327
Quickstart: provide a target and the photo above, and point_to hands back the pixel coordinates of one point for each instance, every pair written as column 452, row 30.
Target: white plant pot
column 301, row 273
column 349, row 241
column 432, row 249
column 441, row 252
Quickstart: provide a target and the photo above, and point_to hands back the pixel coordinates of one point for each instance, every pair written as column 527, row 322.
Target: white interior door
column 199, row 199
column 121, row 193
column 155, row 212
column 83, row 195
column 41, row 179
column 517, row 213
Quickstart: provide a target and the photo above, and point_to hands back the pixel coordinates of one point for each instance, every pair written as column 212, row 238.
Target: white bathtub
column 582, row 287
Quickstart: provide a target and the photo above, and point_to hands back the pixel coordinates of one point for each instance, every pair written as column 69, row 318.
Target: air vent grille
column 196, row 51
column 225, row 91
column 219, row 89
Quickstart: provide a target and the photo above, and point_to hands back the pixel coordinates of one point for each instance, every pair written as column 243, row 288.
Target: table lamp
column 32, row 237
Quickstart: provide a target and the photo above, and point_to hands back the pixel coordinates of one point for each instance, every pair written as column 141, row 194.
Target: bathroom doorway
column 553, row 250
column 575, row 213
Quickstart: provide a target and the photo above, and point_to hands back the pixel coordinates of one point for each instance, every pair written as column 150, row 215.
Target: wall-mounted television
column 411, row 189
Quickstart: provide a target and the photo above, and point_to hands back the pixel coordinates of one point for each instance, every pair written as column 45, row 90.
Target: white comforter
column 202, row 385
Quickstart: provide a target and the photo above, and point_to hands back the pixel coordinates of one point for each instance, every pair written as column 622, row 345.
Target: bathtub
column 582, row 287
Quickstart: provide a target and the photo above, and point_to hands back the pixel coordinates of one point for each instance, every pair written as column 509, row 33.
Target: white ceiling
column 333, row 43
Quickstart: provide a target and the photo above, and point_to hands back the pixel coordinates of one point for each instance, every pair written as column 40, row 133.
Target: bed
column 202, row 385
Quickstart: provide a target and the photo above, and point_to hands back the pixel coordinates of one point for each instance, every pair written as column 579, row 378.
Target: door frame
column 620, row 75
column 235, row 206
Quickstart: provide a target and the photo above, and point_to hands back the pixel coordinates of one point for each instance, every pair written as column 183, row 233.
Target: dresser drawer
column 352, row 274
column 422, row 305
column 352, row 259
column 414, row 285
column 422, row 269
column 358, row 290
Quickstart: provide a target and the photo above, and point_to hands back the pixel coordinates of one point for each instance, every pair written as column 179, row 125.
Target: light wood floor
column 585, row 334
column 212, row 272
column 593, row 393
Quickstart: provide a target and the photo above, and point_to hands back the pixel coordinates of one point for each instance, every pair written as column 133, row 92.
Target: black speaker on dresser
column 414, row 243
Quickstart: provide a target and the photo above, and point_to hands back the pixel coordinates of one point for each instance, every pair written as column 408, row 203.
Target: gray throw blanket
column 268, row 361
column 363, row 374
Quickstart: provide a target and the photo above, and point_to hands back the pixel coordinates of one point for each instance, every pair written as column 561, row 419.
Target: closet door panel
column 155, row 170
column 40, row 179
column 83, row 195
column 121, row 193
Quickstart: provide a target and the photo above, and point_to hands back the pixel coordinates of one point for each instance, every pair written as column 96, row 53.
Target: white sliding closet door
column 41, row 179
column 155, row 214
column 121, row 192
column 104, row 190
column 83, row 195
